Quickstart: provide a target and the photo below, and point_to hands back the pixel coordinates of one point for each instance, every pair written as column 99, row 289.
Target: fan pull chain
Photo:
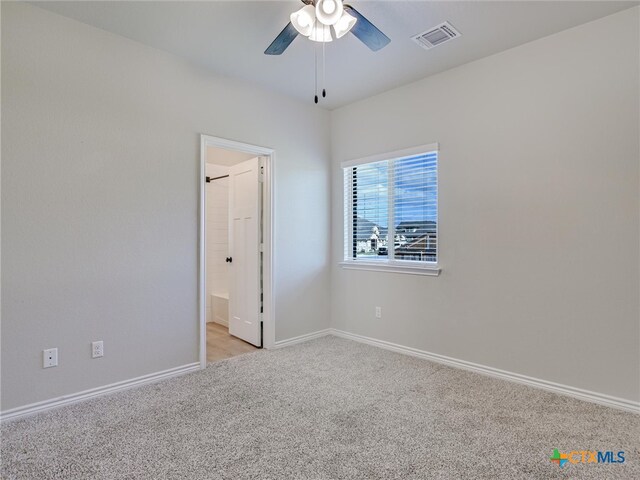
column 315, row 53
column 315, row 50
column 324, row 72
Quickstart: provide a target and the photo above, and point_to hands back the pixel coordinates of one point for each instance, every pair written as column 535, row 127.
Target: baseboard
column 586, row 395
column 581, row 394
column 33, row 408
column 302, row 338
column 221, row 321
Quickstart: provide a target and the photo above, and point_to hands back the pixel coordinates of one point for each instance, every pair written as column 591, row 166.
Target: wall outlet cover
column 50, row 358
column 97, row 349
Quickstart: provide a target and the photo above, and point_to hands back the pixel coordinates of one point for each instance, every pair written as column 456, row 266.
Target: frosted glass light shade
column 345, row 24
column 304, row 19
column 329, row 12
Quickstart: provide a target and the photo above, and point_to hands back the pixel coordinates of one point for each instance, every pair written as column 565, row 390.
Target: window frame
column 413, row 267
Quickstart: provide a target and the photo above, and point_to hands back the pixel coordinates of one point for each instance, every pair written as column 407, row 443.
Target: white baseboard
column 220, row 321
column 32, row 408
column 302, row 338
column 581, row 394
column 589, row 396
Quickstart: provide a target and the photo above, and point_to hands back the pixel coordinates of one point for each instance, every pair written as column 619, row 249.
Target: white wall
column 100, row 166
column 217, row 235
column 539, row 210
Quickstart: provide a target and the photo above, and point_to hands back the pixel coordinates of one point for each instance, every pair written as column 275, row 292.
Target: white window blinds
column 391, row 210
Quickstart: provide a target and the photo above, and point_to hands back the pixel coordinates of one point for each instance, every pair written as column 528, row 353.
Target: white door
column 244, row 251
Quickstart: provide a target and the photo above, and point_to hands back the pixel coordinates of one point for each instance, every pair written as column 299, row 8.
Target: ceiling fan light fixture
column 321, row 33
column 329, row 6
column 329, row 12
column 304, row 19
column 345, row 24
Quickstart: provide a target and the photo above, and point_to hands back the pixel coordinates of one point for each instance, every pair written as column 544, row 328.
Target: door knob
column 229, row 260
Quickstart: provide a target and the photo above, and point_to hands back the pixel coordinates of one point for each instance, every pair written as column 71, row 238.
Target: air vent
column 436, row 36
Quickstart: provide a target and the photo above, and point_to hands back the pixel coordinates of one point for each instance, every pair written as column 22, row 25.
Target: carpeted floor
column 326, row 409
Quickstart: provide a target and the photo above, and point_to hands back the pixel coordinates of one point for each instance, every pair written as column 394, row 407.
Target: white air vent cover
column 436, row 36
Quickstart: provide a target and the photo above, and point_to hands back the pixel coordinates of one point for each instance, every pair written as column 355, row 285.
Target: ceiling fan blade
column 366, row 31
column 282, row 41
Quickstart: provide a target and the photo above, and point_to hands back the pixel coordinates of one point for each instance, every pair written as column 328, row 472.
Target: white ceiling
column 230, row 38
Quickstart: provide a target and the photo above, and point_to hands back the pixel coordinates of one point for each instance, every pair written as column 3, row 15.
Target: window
column 391, row 211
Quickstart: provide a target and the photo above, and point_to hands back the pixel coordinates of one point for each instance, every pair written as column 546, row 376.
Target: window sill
column 430, row 270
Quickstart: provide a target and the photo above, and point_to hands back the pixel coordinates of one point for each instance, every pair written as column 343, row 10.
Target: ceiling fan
column 318, row 19
column 315, row 20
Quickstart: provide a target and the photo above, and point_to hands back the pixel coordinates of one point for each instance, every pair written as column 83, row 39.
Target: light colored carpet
column 326, row 409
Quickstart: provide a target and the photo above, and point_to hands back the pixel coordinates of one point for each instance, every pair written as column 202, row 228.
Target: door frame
column 268, row 316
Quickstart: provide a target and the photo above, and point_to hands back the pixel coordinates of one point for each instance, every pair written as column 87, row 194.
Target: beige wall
column 539, row 210
column 100, row 165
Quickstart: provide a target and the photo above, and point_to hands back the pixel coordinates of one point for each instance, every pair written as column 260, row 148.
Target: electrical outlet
column 50, row 358
column 378, row 312
column 97, row 349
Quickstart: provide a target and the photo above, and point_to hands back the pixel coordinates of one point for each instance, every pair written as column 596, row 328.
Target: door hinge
column 261, row 170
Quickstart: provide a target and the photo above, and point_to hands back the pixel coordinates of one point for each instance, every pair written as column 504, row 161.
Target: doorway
column 235, row 254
